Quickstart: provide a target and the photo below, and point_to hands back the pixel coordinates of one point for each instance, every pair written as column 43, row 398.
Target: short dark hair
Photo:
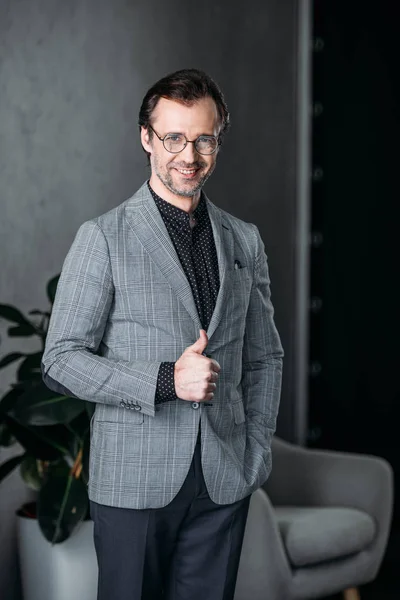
column 185, row 86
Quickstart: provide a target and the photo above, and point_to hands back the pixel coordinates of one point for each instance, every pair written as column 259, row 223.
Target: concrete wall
column 72, row 78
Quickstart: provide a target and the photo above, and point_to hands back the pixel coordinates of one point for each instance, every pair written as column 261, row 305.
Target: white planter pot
column 60, row 572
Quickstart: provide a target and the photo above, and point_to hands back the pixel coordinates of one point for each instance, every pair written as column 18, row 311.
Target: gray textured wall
column 72, row 78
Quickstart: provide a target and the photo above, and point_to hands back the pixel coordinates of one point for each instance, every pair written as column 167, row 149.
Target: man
column 163, row 319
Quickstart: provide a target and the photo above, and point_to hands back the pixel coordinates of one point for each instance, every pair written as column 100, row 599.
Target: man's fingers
column 215, row 365
column 214, row 376
column 211, row 379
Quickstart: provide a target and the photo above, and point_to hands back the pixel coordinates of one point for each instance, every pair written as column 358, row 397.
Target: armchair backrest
column 286, row 478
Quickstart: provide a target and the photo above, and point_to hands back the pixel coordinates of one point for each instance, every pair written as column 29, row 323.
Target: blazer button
column 195, row 405
column 137, row 407
column 122, row 403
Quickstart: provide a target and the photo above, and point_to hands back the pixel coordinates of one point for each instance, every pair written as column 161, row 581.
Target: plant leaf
column 44, row 443
column 9, row 465
column 22, row 330
column 81, row 424
column 62, row 503
column 85, row 458
column 9, row 399
column 9, row 358
column 10, row 313
column 6, row 437
column 41, row 406
column 52, row 288
column 30, row 473
column 90, row 408
column 79, row 428
column 30, row 368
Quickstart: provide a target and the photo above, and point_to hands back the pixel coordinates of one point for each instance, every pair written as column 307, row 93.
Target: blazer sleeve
column 261, row 358
column 70, row 363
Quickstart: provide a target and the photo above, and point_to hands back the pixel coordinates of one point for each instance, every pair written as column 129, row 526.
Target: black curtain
column 355, row 325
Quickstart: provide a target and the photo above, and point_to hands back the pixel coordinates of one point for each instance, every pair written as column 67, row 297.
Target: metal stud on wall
column 316, row 301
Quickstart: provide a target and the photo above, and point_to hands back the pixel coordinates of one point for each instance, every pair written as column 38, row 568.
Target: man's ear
column 145, row 139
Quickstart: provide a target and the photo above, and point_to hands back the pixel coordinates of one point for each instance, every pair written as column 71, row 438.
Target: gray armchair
column 318, row 526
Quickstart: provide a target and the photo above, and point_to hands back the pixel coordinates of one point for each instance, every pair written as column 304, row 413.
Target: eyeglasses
column 176, row 142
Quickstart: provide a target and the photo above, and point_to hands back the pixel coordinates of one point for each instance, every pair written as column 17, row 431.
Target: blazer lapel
column 224, row 246
column 147, row 224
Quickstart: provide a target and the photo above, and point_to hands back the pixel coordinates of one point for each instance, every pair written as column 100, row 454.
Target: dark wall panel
column 72, row 77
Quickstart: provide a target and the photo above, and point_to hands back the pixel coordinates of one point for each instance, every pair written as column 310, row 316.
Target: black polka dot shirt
column 194, row 244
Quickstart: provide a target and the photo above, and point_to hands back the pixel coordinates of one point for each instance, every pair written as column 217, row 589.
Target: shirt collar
column 178, row 214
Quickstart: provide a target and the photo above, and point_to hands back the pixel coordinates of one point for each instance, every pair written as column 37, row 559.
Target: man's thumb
column 200, row 345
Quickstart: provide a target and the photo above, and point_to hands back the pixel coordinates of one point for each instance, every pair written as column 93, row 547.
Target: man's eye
column 174, row 137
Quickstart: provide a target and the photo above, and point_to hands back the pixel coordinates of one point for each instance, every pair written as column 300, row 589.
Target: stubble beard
column 165, row 176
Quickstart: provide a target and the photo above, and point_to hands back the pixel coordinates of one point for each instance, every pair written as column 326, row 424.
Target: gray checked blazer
column 124, row 305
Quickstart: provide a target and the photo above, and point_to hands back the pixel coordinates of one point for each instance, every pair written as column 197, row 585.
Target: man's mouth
column 188, row 173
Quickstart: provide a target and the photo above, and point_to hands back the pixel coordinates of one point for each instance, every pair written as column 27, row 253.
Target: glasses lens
column 206, row 144
column 174, row 142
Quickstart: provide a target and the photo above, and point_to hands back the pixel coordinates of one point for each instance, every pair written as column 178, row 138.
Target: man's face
column 185, row 173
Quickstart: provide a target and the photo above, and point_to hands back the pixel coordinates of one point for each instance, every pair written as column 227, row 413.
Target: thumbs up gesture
column 196, row 375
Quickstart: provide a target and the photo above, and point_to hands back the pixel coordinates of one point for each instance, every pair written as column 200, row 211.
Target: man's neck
column 186, row 203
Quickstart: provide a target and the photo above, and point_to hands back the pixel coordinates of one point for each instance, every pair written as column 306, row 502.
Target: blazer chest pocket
column 241, row 282
column 237, row 409
column 240, row 275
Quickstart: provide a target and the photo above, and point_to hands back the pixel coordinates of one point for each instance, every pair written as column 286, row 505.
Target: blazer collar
column 147, row 224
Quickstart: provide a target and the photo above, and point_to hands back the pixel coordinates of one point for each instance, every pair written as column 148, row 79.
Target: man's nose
column 189, row 154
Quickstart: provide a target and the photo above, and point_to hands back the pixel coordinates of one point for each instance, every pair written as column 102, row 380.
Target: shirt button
column 195, row 405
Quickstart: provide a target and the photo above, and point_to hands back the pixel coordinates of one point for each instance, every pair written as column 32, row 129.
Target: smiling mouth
column 187, row 173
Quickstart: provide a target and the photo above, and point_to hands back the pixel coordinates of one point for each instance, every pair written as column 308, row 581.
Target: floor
column 385, row 587
column 374, row 592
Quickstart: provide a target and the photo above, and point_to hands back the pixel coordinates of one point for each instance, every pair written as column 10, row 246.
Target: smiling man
column 179, row 178
column 163, row 319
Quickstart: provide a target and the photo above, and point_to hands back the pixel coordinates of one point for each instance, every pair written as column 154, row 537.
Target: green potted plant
column 54, row 433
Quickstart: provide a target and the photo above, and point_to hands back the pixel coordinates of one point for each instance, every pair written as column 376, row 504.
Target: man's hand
column 195, row 374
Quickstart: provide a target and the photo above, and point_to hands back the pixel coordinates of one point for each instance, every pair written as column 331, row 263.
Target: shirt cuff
column 165, row 390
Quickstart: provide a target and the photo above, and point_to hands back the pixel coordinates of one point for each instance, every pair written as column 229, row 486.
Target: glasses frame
column 187, row 142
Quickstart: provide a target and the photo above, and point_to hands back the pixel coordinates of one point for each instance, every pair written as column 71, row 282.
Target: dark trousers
column 187, row 550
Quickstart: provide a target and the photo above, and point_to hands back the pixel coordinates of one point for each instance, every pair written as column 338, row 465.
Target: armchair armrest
column 263, row 569
column 308, row 477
